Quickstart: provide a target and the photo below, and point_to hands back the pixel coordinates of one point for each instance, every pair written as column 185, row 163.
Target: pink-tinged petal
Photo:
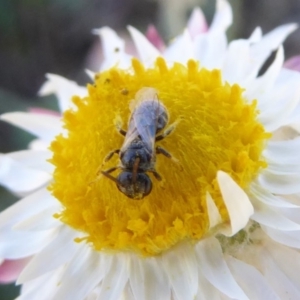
column 10, row 269
column 44, row 111
column 293, row 63
column 154, row 38
column 197, row 23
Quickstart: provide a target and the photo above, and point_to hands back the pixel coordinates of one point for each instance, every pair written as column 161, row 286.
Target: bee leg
column 122, row 131
column 110, row 170
column 156, row 175
column 168, row 131
column 119, row 123
column 107, row 158
column 110, row 154
column 161, row 150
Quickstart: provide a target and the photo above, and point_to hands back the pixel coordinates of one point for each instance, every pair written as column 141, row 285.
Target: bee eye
column 135, row 190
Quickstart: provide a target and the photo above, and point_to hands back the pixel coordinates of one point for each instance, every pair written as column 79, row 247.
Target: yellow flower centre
column 218, row 130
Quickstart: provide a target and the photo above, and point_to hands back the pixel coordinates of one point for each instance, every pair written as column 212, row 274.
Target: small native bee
column 138, row 152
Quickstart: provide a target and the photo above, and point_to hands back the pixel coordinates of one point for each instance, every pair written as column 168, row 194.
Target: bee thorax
column 136, row 150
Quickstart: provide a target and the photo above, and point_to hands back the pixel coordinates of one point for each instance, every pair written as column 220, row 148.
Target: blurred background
column 54, row 36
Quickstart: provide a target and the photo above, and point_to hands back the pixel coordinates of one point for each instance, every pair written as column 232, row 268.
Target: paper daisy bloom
column 223, row 223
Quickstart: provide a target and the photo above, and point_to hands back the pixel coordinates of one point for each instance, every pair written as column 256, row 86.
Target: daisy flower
column 223, row 223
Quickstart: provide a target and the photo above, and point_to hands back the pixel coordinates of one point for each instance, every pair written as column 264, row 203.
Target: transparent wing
column 142, row 123
column 147, row 114
column 145, row 120
column 131, row 134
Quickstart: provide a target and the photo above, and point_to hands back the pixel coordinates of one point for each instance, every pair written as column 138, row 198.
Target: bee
column 137, row 155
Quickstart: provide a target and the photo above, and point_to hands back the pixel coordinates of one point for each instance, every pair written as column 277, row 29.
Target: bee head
column 134, row 189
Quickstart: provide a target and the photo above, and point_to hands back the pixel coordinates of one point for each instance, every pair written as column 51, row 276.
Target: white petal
column 61, row 250
column 212, row 211
column 20, row 179
column 296, row 126
column 183, row 272
column 38, row 144
column 113, row 49
column 147, row 52
column 43, row 287
column 64, row 89
column 268, row 198
column 252, row 282
column 294, row 119
column 292, row 214
column 147, row 279
column 27, row 207
column 116, row 278
column 206, row 290
column 81, row 275
column 43, row 126
column 288, row 238
column 294, row 199
column 237, row 203
column 91, row 74
column 285, row 79
column 283, row 152
column 280, row 283
column 181, row 50
column 280, row 168
column 222, row 18
column 256, row 35
column 210, row 49
column 271, row 42
column 36, row 159
column 238, row 64
column 272, row 217
column 258, row 88
column 281, row 103
column 42, row 221
column 15, row 243
column 197, row 23
column 215, row 269
column 94, row 295
column 127, row 294
column 285, row 184
column 288, row 260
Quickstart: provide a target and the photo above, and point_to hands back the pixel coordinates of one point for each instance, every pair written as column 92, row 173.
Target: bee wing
column 142, row 123
column 146, row 113
column 145, row 120
column 142, row 95
column 131, row 134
